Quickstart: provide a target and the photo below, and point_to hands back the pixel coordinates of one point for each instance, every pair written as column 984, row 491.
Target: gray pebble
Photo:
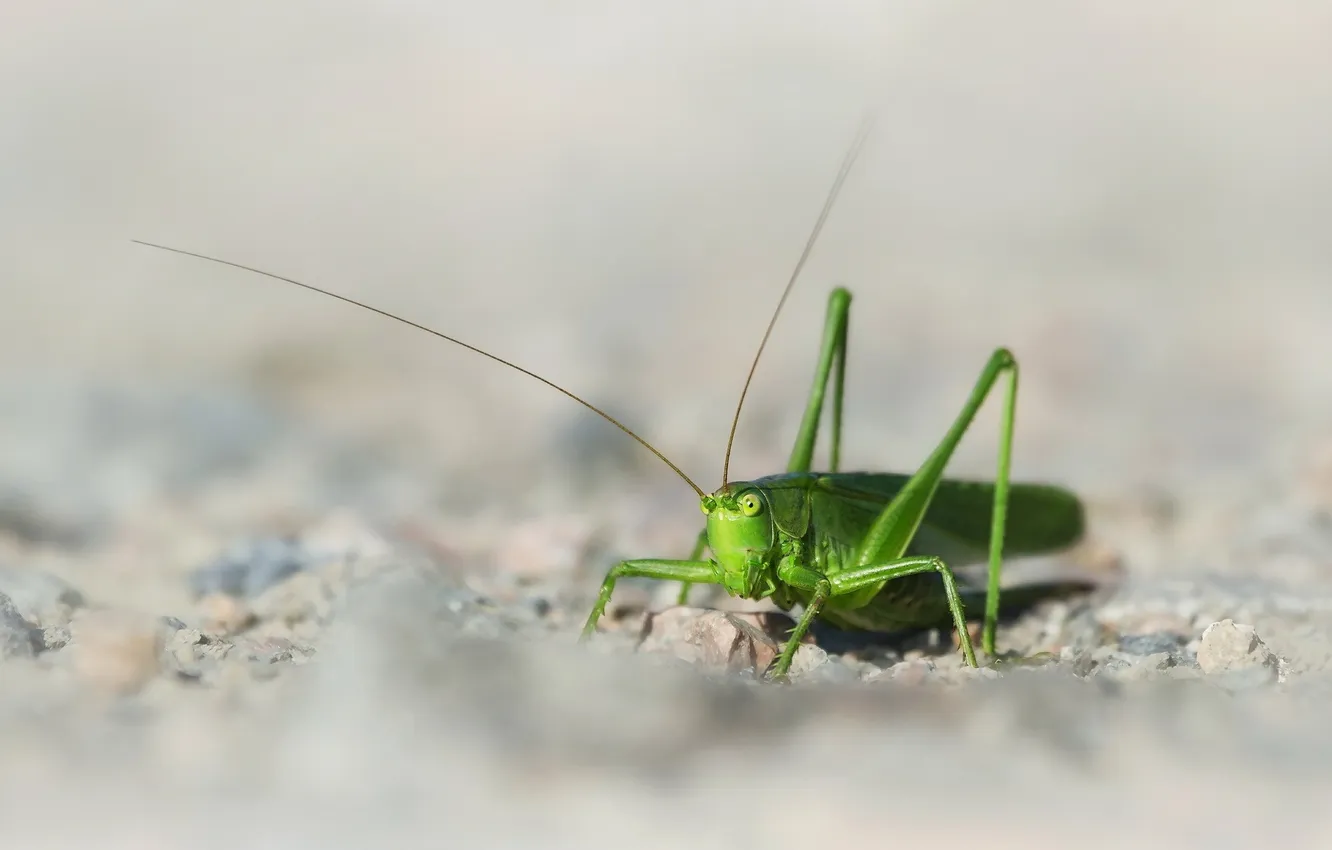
column 539, row 606
column 193, row 654
column 272, row 650
column 810, row 659
column 825, row 670
column 1119, row 665
column 18, row 637
column 1108, row 659
column 42, row 598
column 55, row 637
column 1234, row 652
column 1152, row 643
column 249, row 568
column 1146, row 667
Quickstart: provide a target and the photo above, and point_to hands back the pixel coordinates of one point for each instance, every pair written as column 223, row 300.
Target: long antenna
column 866, row 124
column 592, row 407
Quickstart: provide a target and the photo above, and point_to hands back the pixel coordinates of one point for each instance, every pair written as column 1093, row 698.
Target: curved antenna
column 862, row 134
column 592, row 407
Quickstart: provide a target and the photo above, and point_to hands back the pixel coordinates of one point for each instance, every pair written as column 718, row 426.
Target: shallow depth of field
column 275, row 572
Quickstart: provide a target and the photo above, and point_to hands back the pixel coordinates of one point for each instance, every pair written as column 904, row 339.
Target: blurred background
column 1133, row 197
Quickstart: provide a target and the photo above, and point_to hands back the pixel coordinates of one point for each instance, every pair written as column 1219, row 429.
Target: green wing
column 1041, row 518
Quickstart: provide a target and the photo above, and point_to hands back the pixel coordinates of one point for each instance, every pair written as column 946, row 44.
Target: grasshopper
column 862, row 550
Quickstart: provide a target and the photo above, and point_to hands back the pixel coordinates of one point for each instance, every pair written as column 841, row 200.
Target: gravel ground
column 276, row 573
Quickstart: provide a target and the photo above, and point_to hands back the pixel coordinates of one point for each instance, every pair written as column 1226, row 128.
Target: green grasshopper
column 862, row 550
column 854, row 548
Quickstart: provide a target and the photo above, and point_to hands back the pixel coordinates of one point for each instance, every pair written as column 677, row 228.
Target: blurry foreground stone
column 1235, row 651
column 917, row 672
column 116, row 651
column 42, row 598
column 18, row 637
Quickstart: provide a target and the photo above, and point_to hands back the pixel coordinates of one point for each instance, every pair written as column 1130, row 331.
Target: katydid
column 862, row 550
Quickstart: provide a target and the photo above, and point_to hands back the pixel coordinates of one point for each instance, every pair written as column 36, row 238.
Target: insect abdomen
column 911, row 602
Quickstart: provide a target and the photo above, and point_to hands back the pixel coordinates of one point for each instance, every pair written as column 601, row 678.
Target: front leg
column 699, row 546
column 689, row 572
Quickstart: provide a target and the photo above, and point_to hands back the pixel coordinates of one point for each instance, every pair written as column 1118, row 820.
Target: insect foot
column 807, row 657
column 777, row 678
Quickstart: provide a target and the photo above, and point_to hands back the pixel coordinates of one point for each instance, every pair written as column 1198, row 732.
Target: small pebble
column 249, row 568
column 194, row 654
column 42, row 598
column 18, row 637
column 1142, row 667
column 719, row 639
column 914, row 672
column 55, row 637
column 181, row 653
column 1235, row 651
column 270, row 650
column 810, row 658
column 1151, row 643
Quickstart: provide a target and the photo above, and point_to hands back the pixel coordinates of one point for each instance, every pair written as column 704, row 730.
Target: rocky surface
column 275, row 573
column 341, row 681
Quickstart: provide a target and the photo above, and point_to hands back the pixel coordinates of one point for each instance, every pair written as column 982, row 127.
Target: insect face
column 742, row 538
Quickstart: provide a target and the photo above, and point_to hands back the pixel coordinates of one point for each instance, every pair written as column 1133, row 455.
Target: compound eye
column 750, row 504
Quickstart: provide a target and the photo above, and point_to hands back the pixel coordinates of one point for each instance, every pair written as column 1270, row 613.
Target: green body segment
column 831, row 515
column 863, row 550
